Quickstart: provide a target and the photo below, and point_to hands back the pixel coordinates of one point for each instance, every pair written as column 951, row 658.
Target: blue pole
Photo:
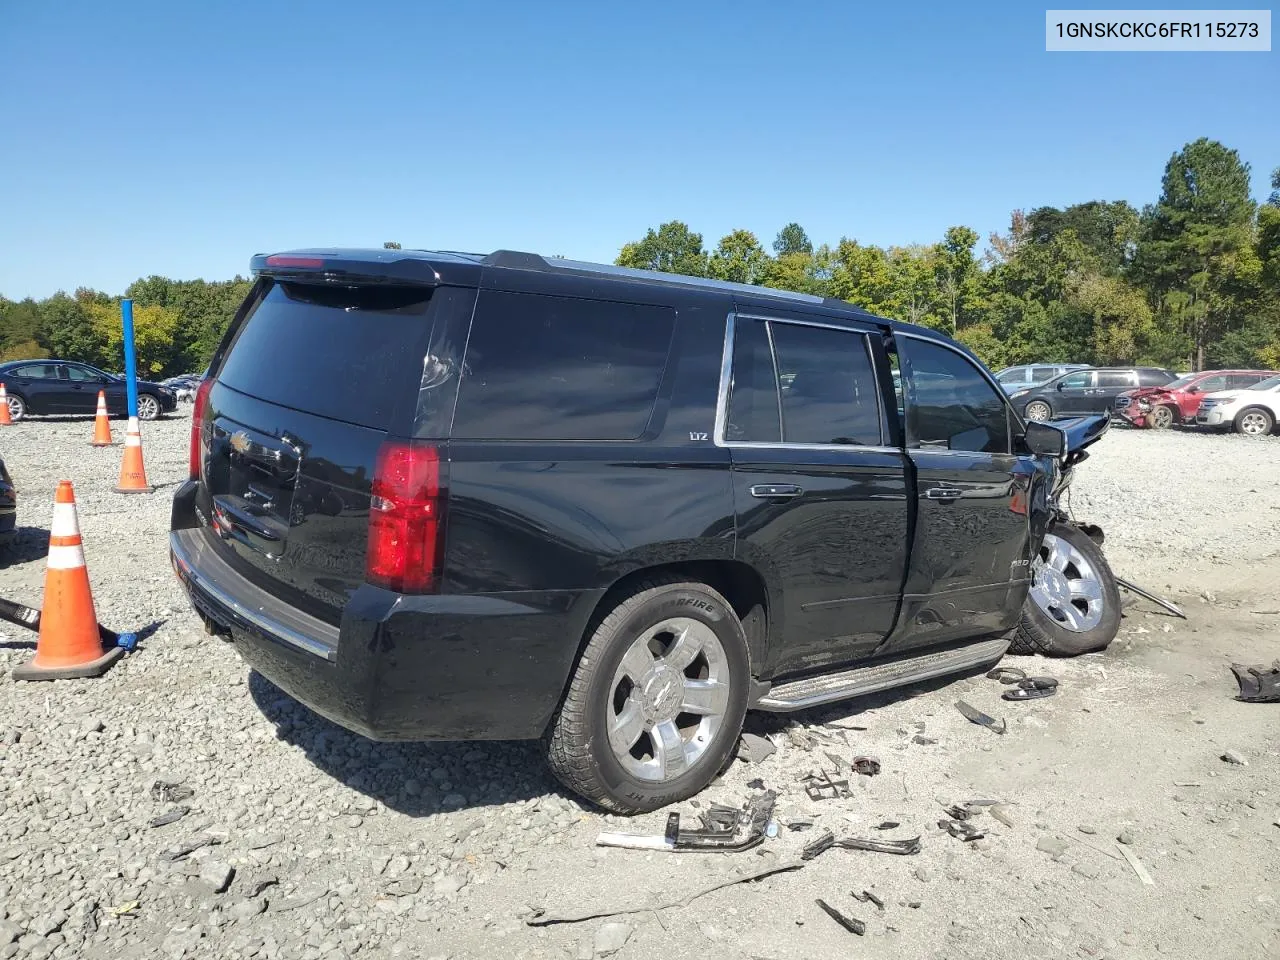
column 130, row 361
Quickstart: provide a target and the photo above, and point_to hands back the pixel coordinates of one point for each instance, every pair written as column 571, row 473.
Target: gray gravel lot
column 310, row 842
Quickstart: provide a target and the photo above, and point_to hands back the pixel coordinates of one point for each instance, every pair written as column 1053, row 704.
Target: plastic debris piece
column 852, row 924
column 162, row 792
column 169, row 816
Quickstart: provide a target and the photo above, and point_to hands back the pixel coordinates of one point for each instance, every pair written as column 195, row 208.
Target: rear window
column 331, row 351
column 556, row 368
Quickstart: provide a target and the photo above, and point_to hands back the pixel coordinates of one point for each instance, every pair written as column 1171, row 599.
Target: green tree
column 672, row 248
column 154, row 328
column 1196, row 253
column 66, row 327
column 738, row 257
column 792, row 239
column 391, row 245
column 958, row 277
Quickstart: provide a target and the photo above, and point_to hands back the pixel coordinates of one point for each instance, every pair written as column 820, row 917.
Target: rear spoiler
column 384, row 266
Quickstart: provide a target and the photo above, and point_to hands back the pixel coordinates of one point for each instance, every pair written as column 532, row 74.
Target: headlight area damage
column 1073, row 605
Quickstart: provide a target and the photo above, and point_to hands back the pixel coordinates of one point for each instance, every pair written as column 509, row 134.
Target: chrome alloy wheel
column 668, row 699
column 1065, row 585
column 148, row 407
column 1254, row 424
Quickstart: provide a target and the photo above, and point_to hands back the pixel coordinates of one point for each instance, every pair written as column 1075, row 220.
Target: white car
column 1253, row 410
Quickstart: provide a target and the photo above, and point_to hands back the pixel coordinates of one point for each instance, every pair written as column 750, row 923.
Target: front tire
column 655, row 706
column 1252, row 422
column 1073, row 606
column 17, row 408
column 1160, row 418
column 1038, row 411
column 148, row 407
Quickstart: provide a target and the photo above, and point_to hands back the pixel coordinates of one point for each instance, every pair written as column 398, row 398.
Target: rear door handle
column 771, row 491
column 943, row 493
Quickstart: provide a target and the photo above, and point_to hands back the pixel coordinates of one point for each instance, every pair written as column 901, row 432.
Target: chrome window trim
column 726, row 378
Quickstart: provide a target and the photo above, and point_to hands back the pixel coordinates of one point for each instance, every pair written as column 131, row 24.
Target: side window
column 1153, row 378
column 829, row 391
column 754, row 413
column 555, row 368
column 1244, row 380
column 1077, row 381
column 1116, row 378
column 80, row 374
column 38, row 371
column 1014, row 375
column 950, row 404
column 1210, row 384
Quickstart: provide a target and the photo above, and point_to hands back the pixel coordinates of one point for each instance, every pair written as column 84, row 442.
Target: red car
column 1178, row 401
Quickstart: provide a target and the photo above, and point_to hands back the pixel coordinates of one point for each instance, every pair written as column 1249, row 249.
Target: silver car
column 1027, row 375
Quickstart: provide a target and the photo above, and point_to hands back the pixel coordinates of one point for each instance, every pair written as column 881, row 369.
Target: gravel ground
column 311, row 842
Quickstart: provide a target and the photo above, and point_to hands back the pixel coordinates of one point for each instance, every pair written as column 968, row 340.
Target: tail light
column 406, row 518
column 198, row 409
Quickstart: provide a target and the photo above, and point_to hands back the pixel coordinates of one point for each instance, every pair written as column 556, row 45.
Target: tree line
column 1190, row 281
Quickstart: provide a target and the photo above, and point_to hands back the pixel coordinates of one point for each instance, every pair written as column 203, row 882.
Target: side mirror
column 1045, row 440
column 1193, row 389
column 1062, row 385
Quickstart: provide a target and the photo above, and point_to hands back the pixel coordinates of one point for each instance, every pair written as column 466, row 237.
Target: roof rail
column 532, row 261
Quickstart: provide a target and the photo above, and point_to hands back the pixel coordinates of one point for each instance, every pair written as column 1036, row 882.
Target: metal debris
column 974, row 715
column 163, row 792
column 866, row 896
column 170, row 816
column 723, row 828
column 826, row 840
column 1134, row 588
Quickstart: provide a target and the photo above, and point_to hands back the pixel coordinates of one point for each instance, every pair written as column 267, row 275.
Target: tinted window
column 753, row 415
column 1013, row 375
column 829, row 391
column 1209, row 384
column 1154, row 378
column 82, row 374
column 38, row 371
column 332, row 351
column 951, row 405
column 553, row 368
column 1077, row 381
column 1116, row 378
column 1235, row 381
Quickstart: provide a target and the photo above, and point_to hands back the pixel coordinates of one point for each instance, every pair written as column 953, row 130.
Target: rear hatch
column 314, row 379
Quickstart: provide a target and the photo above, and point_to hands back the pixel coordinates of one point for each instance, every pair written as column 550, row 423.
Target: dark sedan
column 63, row 386
column 1086, row 391
column 8, row 505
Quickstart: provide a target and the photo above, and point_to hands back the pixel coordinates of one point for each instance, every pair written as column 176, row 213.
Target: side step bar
column 875, row 677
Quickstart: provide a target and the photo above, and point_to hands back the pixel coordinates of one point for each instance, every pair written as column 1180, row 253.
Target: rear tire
column 17, row 408
column 1251, row 421
column 1073, row 606
column 675, row 752
column 1039, row 411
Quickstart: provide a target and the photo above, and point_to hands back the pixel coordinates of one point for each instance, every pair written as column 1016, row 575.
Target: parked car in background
column 62, row 386
column 1085, row 391
column 8, row 505
column 507, row 496
column 1013, row 379
column 1177, row 402
column 1253, row 410
column 183, row 386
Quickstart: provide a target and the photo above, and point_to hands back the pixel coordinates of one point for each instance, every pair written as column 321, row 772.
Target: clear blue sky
column 179, row 138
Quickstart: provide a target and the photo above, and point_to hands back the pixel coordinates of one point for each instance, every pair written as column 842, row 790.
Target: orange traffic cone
column 5, row 419
column 101, row 425
column 133, row 476
column 70, row 645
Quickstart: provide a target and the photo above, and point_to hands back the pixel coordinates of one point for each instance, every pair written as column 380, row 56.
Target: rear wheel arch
column 736, row 581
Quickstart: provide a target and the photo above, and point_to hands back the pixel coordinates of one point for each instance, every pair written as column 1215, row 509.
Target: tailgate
column 307, row 391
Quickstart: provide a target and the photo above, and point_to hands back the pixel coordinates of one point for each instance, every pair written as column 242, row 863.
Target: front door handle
column 943, row 493
column 772, row 491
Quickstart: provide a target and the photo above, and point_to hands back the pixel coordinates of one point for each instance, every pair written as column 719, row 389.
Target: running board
column 875, row 677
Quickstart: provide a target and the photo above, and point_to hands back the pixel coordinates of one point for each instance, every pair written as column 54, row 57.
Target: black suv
column 63, row 386
column 1086, row 391
column 454, row 496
